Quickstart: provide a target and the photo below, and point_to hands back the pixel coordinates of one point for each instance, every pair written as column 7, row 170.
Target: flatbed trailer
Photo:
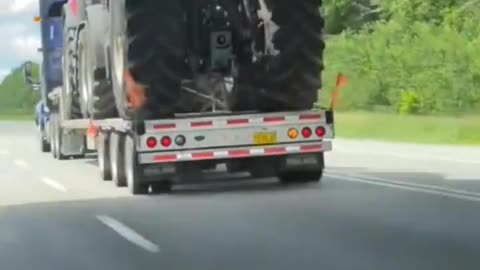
column 157, row 154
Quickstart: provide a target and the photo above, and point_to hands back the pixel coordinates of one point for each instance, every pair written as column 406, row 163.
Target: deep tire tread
column 293, row 78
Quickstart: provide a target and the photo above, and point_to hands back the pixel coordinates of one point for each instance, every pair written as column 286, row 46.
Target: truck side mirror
column 27, row 73
column 28, row 76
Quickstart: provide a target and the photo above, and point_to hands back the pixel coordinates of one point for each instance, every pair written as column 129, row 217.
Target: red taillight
column 320, row 131
column 151, row 142
column 166, row 141
column 306, row 132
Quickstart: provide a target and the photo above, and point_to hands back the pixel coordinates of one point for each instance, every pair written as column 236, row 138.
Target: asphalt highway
column 380, row 206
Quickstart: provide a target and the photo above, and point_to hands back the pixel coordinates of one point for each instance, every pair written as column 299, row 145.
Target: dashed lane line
column 21, row 163
column 54, row 184
column 129, row 234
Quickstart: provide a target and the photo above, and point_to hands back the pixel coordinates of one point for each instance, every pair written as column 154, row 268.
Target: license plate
column 265, row 138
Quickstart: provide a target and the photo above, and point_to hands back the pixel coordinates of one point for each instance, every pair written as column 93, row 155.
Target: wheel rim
column 101, row 154
column 113, row 157
column 118, row 45
column 57, row 143
column 83, row 75
column 89, row 81
column 129, row 162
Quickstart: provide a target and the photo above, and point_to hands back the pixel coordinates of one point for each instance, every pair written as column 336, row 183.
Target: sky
column 19, row 34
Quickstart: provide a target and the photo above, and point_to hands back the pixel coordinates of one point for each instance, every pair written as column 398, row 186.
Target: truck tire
column 70, row 107
column 152, row 49
column 117, row 159
column 100, row 101
column 291, row 79
column 45, row 146
column 306, row 173
column 103, row 150
column 134, row 171
column 299, row 177
column 57, row 138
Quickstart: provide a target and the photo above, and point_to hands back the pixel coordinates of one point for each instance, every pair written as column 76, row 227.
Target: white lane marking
column 129, row 234
column 21, row 163
column 54, row 184
column 452, row 193
column 415, row 156
column 4, row 152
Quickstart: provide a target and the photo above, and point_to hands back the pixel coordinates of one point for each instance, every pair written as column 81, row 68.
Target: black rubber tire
column 45, row 146
column 291, row 79
column 156, row 42
column 103, row 103
column 53, row 138
column 134, row 171
column 301, row 177
column 162, row 187
column 117, row 159
column 103, row 156
column 57, row 138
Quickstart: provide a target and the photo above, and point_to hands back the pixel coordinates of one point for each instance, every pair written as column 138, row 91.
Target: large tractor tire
column 97, row 95
column 291, row 79
column 151, row 45
column 70, row 106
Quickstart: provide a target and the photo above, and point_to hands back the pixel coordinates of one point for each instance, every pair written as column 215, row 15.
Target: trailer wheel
column 310, row 171
column 117, row 159
column 134, row 170
column 161, row 187
column 45, row 146
column 57, row 138
column 103, row 150
column 299, row 177
column 53, row 137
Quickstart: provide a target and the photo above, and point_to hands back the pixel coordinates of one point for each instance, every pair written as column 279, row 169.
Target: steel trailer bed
column 289, row 145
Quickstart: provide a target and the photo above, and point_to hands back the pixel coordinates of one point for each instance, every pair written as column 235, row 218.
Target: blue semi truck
column 51, row 66
column 51, row 82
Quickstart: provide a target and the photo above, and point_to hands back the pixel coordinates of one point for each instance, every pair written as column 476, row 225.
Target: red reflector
column 151, row 142
column 166, row 141
column 237, row 122
column 274, row 119
column 201, row 124
column 311, row 148
column 203, row 155
column 320, row 131
column 308, row 117
column 239, row 153
column 164, row 126
column 306, row 132
column 165, row 158
column 275, row 151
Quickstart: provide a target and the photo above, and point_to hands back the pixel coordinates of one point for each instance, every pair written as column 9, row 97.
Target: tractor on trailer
column 165, row 89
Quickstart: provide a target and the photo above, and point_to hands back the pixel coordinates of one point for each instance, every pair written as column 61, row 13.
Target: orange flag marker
column 342, row 81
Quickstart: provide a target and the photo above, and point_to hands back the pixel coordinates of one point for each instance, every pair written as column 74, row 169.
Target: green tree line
column 16, row 97
column 406, row 56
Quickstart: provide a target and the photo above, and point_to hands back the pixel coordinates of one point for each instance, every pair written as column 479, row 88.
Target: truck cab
column 51, row 74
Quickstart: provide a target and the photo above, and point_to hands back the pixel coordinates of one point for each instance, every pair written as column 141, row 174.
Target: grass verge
column 16, row 117
column 416, row 129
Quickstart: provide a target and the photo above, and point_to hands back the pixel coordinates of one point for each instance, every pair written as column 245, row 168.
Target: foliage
column 422, row 58
column 15, row 96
